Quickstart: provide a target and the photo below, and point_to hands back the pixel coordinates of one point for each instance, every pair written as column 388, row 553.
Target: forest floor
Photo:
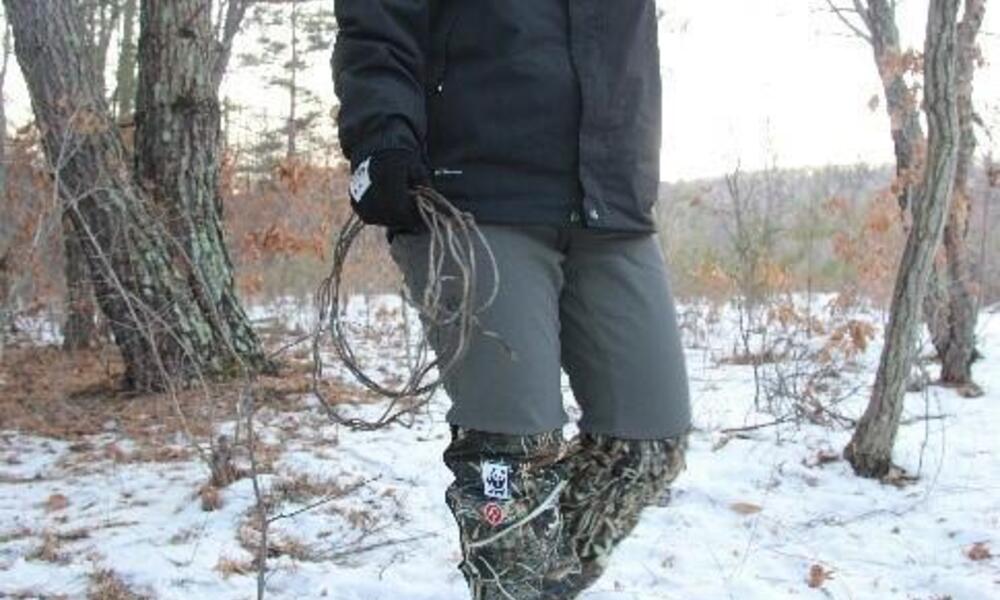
column 103, row 496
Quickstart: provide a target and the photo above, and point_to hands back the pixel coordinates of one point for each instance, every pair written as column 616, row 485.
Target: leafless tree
column 870, row 449
column 949, row 306
column 153, row 234
column 953, row 328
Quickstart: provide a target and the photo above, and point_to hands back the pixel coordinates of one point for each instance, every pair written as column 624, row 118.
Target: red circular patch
column 493, row 513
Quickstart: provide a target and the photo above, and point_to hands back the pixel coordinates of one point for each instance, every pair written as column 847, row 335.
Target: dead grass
column 13, row 535
column 211, row 498
column 69, row 396
column 745, row 359
column 361, row 519
column 105, row 584
column 231, row 566
column 50, row 550
column 184, row 536
column 302, row 489
column 279, row 543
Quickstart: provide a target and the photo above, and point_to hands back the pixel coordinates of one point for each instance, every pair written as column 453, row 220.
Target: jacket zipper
column 437, row 81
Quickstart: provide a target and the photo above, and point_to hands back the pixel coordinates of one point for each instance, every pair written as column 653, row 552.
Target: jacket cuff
column 397, row 135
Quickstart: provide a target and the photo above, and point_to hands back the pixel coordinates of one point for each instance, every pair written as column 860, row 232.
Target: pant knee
column 612, row 459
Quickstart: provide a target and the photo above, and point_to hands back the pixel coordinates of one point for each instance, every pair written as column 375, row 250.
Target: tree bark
column 80, row 328
column 4, row 284
column 126, row 77
column 870, row 449
column 901, row 104
column 100, row 19
column 948, row 307
column 293, row 89
column 162, row 318
column 177, row 148
column 4, row 63
column 956, row 325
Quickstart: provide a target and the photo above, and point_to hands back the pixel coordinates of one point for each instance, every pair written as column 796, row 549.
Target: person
column 542, row 119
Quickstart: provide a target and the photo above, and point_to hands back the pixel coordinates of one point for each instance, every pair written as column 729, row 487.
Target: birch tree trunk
column 870, row 449
column 167, row 321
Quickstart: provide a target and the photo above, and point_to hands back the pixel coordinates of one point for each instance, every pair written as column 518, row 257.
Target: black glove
column 382, row 195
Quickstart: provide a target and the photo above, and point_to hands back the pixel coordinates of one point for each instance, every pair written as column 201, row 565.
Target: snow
column 753, row 513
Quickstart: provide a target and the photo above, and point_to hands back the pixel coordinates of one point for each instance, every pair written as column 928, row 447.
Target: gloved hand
column 381, row 189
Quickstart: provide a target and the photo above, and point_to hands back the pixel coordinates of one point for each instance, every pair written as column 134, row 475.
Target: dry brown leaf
column 211, row 499
column 979, row 551
column 818, row 576
column 56, row 502
column 745, row 508
column 823, row 457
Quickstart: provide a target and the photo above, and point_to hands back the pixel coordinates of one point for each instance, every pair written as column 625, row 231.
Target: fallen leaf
column 979, row 551
column 818, row 576
column 822, row 457
column 745, row 508
column 56, row 502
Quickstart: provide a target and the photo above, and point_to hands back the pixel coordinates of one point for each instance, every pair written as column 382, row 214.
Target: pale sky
column 748, row 82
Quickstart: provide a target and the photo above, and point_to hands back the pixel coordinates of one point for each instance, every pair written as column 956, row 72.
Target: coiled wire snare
column 455, row 242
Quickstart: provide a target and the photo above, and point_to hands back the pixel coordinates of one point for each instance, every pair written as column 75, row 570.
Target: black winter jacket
column 527, row 111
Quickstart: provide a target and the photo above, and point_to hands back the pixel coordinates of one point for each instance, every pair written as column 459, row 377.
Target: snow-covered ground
column 763, row 514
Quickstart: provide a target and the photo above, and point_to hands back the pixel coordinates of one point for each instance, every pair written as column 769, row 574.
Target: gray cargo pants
column 538, row 517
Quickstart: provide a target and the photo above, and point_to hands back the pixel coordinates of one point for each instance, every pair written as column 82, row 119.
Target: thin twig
column 245, row 410
column 776, row 422
column 377, row 545
column 326, row 499
column 839, row 11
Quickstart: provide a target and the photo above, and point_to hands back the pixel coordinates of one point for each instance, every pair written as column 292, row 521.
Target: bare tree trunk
column 80, row 328
column 4, row 63
column 908, row 139
column 293, row 88
column 160, row 312
column 870, row 449
column 100, row 19
column 4, row 284
column 948, row 307
column 177, row 147
column 955, row 343
column 125, row 93
column 901, row 105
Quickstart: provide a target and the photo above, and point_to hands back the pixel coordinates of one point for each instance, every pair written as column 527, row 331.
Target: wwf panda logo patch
column 496, row 480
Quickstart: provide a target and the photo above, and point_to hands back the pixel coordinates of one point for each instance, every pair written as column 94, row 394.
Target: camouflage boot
column 610, row 482
column 505, row 499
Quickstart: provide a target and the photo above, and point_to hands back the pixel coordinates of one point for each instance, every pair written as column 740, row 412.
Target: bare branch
column 235, row 12
column 840, row 12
